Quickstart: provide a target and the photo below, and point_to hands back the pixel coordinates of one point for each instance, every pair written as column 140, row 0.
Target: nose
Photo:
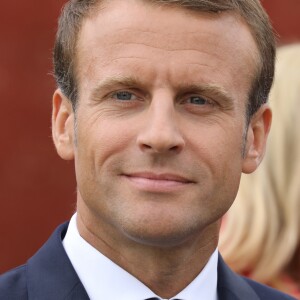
column 161, row 132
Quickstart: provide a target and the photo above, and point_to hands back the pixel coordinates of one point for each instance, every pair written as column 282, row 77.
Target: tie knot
column 155, row 298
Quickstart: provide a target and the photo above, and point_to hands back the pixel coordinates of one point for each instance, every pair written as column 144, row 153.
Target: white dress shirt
column 105, row 280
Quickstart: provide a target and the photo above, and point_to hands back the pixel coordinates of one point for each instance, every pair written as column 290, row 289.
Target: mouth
column 158, row 182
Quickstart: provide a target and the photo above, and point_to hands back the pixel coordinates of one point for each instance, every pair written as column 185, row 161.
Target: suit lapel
column 231, row 286
column 50, row 274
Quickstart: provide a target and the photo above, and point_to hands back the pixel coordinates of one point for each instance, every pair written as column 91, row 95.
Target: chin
column 161, row 235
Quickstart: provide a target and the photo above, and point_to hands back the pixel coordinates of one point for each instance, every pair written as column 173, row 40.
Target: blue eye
column 123, row 95
column 197, row 100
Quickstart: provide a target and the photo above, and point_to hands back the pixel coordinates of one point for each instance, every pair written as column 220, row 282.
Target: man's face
column 160, row 124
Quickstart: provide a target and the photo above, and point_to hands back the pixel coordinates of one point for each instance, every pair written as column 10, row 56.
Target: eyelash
column 203, row 99
column 115, row 94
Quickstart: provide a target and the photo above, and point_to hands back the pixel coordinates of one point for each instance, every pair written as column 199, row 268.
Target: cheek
column 219, row 145
column 100, row 142
column 220, row 151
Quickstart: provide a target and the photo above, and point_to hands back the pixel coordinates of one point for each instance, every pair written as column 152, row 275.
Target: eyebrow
column 112, row 82
column 209, row 89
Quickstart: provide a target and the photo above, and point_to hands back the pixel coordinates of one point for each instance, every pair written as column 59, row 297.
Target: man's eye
column 123, row 95
column 197, row 100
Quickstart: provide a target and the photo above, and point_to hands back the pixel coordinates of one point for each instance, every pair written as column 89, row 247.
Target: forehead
column 166, row 36
column 150, row 17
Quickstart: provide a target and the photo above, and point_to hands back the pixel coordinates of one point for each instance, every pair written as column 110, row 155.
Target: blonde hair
column 261, row 232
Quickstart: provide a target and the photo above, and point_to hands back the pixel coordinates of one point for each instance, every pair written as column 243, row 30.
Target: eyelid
column 137, row 95
column 122, row 91
column 195, row 95
column 202, row 97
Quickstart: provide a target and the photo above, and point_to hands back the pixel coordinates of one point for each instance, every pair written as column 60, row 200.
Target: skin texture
column 159, row 135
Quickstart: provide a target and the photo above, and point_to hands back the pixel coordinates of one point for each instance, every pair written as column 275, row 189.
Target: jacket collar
column 51, row 275
column 232, row 286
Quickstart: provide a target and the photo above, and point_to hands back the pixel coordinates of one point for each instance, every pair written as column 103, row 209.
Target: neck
column 165, row 270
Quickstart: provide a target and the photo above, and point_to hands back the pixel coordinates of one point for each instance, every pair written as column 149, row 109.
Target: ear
column 256, row 139
column 63, row 125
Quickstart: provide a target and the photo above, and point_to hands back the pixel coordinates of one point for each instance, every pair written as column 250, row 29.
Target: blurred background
column 37, row 187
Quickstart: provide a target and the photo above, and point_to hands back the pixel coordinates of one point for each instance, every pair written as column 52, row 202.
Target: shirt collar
column 103, row 279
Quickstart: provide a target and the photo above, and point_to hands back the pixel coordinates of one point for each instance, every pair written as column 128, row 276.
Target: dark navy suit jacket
column 49, row 275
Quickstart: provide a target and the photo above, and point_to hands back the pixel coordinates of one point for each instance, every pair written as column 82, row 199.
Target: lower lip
column 155, row 185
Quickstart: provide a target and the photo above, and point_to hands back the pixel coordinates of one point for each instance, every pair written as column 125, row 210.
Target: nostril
column 174, row 148
column 159, row 139
column 146, row 147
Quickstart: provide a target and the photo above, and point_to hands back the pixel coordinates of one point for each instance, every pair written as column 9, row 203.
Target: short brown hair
column 75, row 11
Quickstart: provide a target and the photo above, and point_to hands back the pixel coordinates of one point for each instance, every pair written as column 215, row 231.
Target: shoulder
column 233, row 286
column 13, row 284
column 266, row 292
column 34, row 276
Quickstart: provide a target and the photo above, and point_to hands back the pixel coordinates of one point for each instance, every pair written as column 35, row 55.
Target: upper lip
column 160, row 176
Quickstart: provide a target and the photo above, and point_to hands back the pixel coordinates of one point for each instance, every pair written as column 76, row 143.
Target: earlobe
column 63, row 126
column 256, row 138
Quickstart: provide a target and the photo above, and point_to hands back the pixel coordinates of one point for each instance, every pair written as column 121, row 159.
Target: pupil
column 124, row 95
column 198, row 100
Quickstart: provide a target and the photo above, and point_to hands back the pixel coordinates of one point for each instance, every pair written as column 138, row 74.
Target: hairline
column 97, row 5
